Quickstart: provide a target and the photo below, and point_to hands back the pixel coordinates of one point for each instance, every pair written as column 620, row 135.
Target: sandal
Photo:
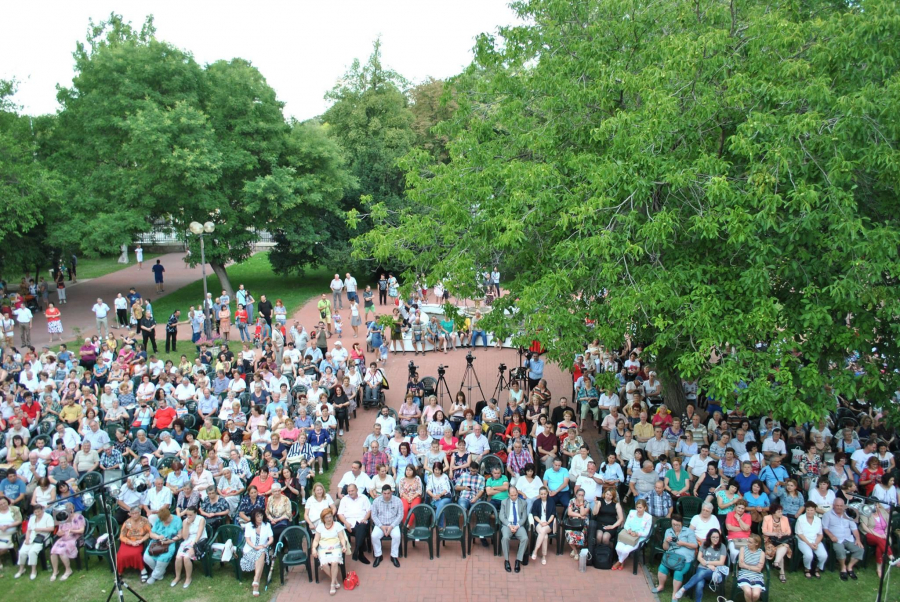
column 807, row 574
column 256, row 589
column 544, row 560
column 782, row 578
column 332, row 592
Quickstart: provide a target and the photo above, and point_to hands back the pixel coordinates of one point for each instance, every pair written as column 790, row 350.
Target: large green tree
column 371, row 119
column 150, row 137
column 690, row 175
column 29, row 190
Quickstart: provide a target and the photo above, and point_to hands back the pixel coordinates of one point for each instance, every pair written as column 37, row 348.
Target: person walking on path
column 350, row 286
column 337, row 285
column 54, row 324
column 24, row 318
column 172, row 330
column 158, row 270
column 139, row 256
column 121, row 305
column 101, row 313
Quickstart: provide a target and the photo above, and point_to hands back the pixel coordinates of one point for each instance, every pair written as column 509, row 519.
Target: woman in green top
column 450, row 338
column 678, row 480
column 728, row 497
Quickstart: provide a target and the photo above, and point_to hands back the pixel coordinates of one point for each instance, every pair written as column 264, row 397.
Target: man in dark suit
column 514, row 521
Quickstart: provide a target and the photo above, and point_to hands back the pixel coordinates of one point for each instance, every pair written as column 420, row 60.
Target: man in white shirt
column 698, row 463
column 120, row 304
column 607, row 401
column 590, row 483
column 339, row 356
column 860, row 457
column 354, row 512
column 29, row 379
column 476, row 443
column 657, row 446
column 156, row 366
column 337, row 285
column 387, row 422
column 101, row 313
column 99, row 439
column 774, row 446
column 350, row 286
column 354, row 476
column 24, row 318
column 156, row 498
column 185, row 391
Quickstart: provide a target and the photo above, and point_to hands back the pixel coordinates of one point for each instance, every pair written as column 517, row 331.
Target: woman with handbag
column 135, row 531
column 575, row 520
column 163, row 537
column 329, row 546
column 193, row 539
column 680, row 545
column 637, row 529
column 874, row 529
column 777, row 533
column 738, row 525
column 710, row 562
column 40, row 528
column 66, row 546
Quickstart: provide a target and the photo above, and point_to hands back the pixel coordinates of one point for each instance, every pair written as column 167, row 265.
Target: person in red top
column 54, row 324
column 31, row 408
column 241, row 319
column 163, row 418
column 870, row 475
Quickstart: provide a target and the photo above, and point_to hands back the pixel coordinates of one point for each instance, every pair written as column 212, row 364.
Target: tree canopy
column 149, row 136
column 714, row 181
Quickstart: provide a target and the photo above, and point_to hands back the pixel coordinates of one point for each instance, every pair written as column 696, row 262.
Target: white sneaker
column 321, row 471
column 341, row 433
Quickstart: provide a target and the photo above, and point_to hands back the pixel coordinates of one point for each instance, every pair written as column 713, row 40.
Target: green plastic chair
column 483, row 522
column 423, row 530
column 735, row 590
column 96, row 526
column 223, row 534
column 689, row 507
column 489, row 462
column 454, row 529
column 293, row 550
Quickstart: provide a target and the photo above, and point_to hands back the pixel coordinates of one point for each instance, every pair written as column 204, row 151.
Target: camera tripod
column 441, row 388
column 120, row 586
column 468, row 375
column 502, row 382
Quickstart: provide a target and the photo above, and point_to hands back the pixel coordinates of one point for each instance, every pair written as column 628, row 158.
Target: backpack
column 604, row 557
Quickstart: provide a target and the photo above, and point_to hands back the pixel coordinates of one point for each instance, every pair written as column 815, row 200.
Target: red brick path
column 481, row 577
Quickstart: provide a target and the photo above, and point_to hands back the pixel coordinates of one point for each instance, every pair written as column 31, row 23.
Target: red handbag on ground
column 351, row 581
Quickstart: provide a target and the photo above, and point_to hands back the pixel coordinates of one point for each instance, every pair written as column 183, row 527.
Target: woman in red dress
column 54, row 324
column 135, row 531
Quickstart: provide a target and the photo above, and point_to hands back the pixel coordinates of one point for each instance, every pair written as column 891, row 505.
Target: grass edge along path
column 88, row 268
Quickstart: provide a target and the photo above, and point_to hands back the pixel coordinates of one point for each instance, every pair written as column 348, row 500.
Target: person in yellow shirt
column 71, row 414
column 643, row 430
column 208, row 434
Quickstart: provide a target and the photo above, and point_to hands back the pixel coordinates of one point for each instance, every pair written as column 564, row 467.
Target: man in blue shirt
column 773, row 476
column 535, row 367
column 13, row 488
column 276, row 403
column 745, row 478
column 158, row 270
column 556, row 480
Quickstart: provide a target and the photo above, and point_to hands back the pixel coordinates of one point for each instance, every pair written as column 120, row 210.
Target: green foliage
column 372, row 121
column 148, row 136
column 692, row 175
column 29, row 191
column 432, row 103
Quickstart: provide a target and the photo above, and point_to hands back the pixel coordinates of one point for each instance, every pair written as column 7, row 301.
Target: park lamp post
column 199, row 230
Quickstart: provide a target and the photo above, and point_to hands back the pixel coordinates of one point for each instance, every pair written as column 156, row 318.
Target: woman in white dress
column 329, row 546
column 636, row 529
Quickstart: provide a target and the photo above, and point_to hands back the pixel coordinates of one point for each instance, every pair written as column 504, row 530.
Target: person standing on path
column 148, row 331
column 54, row 324
column 73, row 263
column 265, row 309
column 350, row 286
column 61, row 285
column 158, row 270
column 43, row 291
column 172, row 330
column 139, row 256
column 101, row 312
column 24, row 317
column 197, row 321
column 382, row 290
column 337, row 285
column 324, row 306
column 495, row 280
column 368, row 302
column 120, row 304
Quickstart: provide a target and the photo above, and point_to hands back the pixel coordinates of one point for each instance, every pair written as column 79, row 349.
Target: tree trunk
column 219, row 270
column 673, row 392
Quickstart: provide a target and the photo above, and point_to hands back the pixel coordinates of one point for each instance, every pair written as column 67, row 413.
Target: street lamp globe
column 196, row 228
column 209, row 227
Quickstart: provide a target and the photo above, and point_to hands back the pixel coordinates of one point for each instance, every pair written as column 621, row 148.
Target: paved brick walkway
column 481, row 577
column 82, row 296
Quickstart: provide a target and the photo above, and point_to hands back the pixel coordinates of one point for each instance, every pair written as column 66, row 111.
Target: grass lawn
column 91, row 267
column 798, row 588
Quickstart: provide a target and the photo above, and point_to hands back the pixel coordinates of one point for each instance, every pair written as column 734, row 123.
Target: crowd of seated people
column 220, row 439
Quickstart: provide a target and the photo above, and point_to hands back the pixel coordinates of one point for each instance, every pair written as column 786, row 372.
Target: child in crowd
column 303, row 476
column 338, row 324
column 663, row 466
